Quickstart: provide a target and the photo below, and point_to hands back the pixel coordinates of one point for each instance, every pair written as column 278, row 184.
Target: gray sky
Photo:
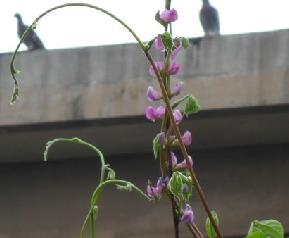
column 75, row 27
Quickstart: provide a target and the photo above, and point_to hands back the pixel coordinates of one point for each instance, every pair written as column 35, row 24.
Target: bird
column 209, row 18
column 32, row 41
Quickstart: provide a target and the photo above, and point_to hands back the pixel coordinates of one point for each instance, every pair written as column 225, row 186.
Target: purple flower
column 160, row 112
column 176, row 90
column 158, row 43
column 159, row 65
column 188, row 215
column 174, row 159
column 175, row 52
column 169, row 15
column 187, row 138
column 152, row 191
column 173, row 69
column 152, row 94
column 153, row 114
column 178, row 116
column 162, row 182
column 155, row 192
column 183, row 164
column 150, row 113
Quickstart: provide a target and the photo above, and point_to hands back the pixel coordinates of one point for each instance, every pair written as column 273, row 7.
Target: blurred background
column 83, row 75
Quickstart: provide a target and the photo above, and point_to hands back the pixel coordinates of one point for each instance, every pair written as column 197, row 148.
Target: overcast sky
column 75, row 27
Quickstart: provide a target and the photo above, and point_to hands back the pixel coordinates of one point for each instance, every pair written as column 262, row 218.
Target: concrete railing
column 110, row 81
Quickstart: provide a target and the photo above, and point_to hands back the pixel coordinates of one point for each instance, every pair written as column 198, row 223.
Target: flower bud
column 169, row 15
column 162, row 138
column 153, row 114
column 187, row 138
column 178, row 116
column 160, row 112
column 152, row 94
column 176, row 90
column 158, row 43
column 188, row 215
column 155, row 192
column 173, row 69
column 159, row 65
column 174, row 159
column 183, row 164
column 152, row 192
column 162, row 183
column 175, row 52
column 150, row 113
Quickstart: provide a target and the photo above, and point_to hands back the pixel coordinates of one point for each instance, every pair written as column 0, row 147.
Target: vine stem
column 167, row 126
column 82, row 142
column 182, row 146
column 160, row 81
column 194, row 231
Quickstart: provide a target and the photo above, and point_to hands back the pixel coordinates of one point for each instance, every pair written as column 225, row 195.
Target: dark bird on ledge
column 32, row 41
column 209, row 19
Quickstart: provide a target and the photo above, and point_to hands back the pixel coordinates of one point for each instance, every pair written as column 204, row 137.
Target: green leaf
column 268, row 228
column 185, row 42
column 176, row 185
column 167, row 40
column 192, row 105
column 157, row 145
column 256, row 234
column 209, row 227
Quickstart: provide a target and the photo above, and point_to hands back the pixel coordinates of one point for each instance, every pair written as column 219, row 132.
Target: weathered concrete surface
column 245, row 178
column 51, row 199
column 100, row 82
column 211, row 129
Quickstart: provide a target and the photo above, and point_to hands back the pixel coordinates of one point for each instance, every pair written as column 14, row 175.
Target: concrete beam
column 110, row 81
column 133, row 135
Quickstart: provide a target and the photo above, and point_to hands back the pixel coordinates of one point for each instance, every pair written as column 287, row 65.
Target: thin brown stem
column 175, row 217
column 195, row 227
column 194, row 232
column 173, row 202
column 182, row 146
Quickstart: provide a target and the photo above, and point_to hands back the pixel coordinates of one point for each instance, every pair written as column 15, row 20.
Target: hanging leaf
column 192, row 105
column 167, row 40
column 157, row 144
column 209, row 227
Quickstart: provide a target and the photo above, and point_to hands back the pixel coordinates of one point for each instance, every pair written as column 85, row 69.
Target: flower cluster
column 169, row 47
column 182, row 165
column 155, row 192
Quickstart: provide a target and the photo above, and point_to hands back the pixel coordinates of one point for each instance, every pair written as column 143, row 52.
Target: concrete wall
column 110, row 81
column 47, row 200
column 241, row 154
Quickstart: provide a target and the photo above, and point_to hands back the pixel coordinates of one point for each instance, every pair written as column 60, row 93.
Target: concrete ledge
column 110, row 81
column 133, row 135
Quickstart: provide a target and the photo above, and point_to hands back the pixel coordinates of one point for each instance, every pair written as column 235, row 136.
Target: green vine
column 104, row 181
